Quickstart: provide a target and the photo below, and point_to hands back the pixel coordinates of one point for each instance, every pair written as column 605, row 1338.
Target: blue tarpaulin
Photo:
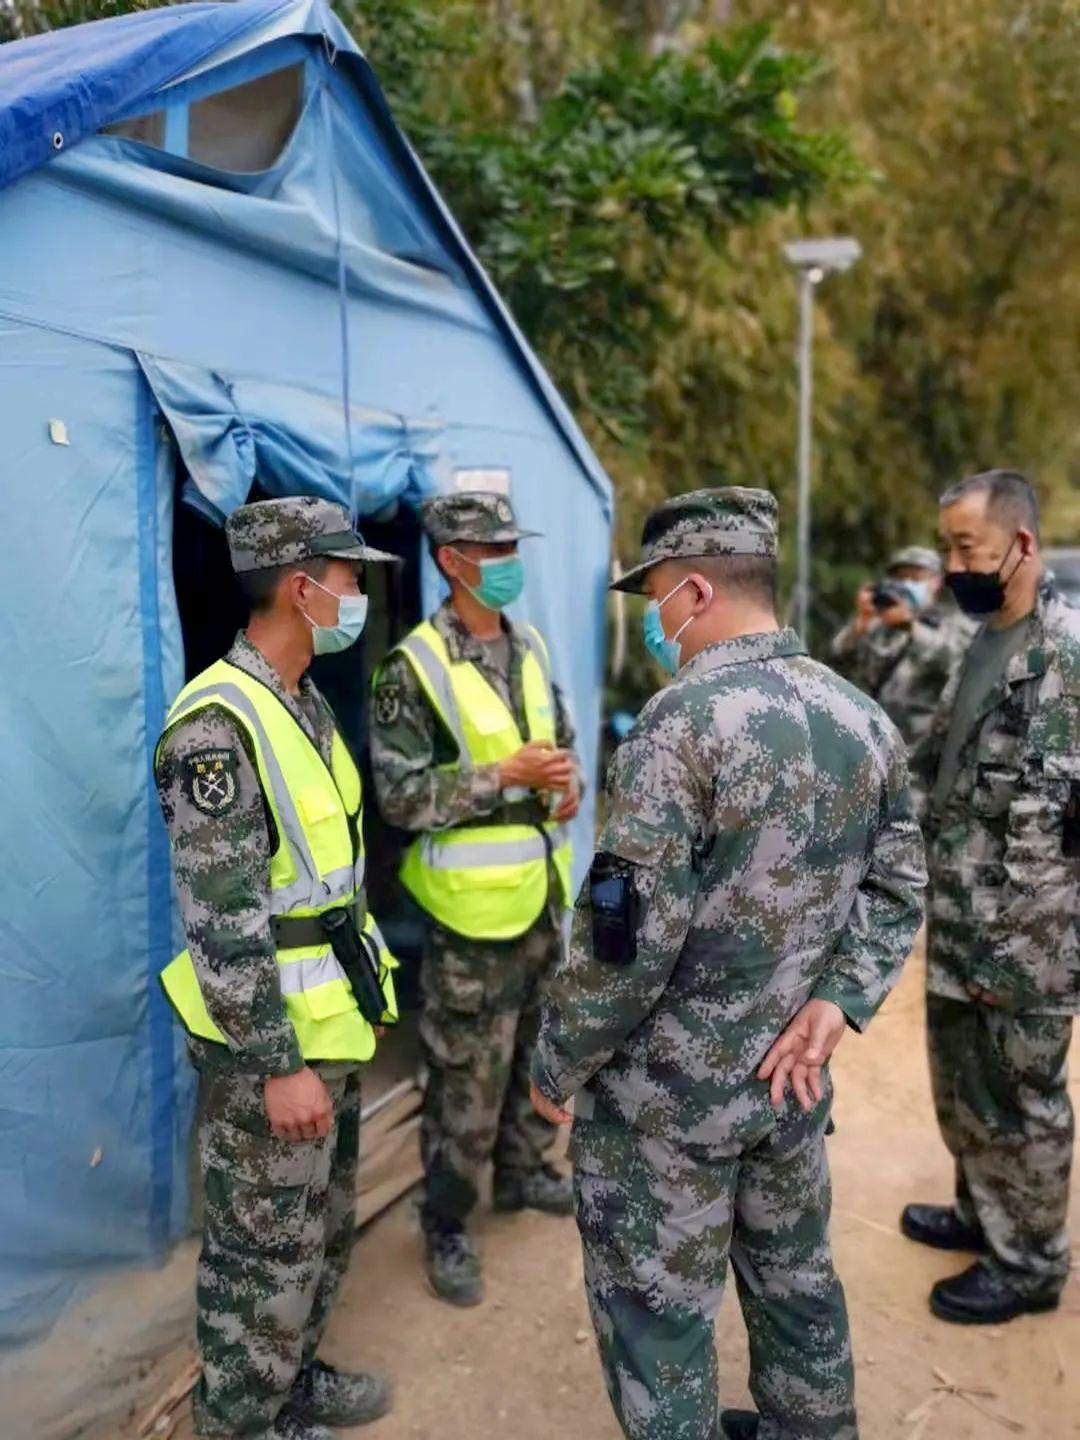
column 314, row 322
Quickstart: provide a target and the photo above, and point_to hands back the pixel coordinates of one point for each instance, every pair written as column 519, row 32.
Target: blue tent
column 221, row 265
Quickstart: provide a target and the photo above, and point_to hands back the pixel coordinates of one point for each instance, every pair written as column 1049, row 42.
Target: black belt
column 298, row 932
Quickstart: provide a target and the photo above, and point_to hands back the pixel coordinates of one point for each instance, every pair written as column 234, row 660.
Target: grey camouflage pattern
column 479, row 516
column 418, row 786
column 658, row 1224
column 730, row 520
column 764, row 805
column 278, row 1226
column 906, row 670
column 1004, row 895
column 269, row 533
column 478, row 1030
column 1001, row 1095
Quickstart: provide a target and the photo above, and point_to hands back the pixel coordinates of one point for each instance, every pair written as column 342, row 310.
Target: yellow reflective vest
column 486, row 882
column 318, row 866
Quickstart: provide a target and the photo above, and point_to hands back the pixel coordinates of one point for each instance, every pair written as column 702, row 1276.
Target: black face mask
column 981, row 592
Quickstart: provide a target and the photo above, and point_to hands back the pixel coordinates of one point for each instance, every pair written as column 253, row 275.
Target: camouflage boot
column 453, row 1266
column 325, row 1396
column 541, row 1189
column 738, row 1424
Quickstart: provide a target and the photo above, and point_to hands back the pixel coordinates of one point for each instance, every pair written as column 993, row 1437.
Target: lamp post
column 813, row 259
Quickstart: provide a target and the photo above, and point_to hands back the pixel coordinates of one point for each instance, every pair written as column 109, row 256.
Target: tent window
column 247, row 127
column 243, row 129
column 147, row 129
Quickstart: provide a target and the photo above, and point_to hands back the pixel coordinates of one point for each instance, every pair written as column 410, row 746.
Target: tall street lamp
column 813, row 259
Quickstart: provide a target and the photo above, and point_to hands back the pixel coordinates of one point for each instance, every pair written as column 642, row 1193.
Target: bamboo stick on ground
column 183, row 1385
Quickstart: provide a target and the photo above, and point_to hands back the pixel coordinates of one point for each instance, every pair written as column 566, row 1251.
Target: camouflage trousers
column 479, row 1028
column 277, row 1231
column 1000, row 1090
column 658, row 1222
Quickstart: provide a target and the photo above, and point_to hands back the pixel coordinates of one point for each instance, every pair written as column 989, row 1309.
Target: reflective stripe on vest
column 485, row 881
column 317, row 810
column 462, row 853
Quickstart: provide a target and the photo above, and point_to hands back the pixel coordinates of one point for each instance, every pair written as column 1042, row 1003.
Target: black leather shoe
column 941, row 1227
column 981, row 1296
column 738, row 1424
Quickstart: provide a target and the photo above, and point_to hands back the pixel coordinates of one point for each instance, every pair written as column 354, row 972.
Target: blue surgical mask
column 502, row 580
column 921, row 592
column 352, row 617
column 667, row 653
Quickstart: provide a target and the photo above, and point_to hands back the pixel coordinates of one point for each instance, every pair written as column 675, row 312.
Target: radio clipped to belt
column 357, row 955
column 355, row 951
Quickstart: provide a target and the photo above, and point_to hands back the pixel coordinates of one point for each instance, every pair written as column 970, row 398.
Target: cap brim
column 365, row 554
column 631, row 583
column 501, row 537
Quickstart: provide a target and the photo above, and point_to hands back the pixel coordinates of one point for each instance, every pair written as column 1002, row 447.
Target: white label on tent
column 58, row 432
column 494, row 481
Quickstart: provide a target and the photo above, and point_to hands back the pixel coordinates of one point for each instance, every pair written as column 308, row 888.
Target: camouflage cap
column 301, row 527
column 727, row 521
column 478, row 515
column 918, row 557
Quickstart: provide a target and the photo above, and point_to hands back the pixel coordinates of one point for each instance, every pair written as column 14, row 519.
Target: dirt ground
column 523, row 1365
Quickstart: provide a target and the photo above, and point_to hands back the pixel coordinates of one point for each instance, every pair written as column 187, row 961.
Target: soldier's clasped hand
column 537, row 766
column 546, row 1110
column 800, row 1052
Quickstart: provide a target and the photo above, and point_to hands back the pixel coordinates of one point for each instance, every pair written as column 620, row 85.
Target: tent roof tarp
column 59, row 87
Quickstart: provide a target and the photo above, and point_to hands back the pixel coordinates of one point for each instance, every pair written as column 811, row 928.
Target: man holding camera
column 904, row 642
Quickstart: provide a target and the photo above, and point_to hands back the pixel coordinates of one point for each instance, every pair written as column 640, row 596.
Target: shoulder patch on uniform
column 387, row 703
column 210, row 780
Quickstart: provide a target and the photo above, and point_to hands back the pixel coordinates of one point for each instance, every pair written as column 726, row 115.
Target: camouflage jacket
column 417, row 783
column 221, row 863
column 906, row 670
column 1004, row 870
column 763, row 804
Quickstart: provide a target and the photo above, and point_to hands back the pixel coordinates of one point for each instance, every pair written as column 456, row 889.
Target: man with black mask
column 1001, row 766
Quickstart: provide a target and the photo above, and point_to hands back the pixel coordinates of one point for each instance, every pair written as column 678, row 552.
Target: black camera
column 888, row 593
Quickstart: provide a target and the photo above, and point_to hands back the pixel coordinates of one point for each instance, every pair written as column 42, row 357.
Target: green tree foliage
column 578, row 213
column 955, row 342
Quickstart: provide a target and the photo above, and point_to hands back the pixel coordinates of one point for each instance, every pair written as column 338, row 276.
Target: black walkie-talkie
column 615, row 906
column 354, row 952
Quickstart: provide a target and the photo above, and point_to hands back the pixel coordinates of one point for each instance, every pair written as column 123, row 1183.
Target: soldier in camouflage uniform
column 904, row 656
column 1002, row 768
column 756, row 888
column 278, row 1138
column 481, row 995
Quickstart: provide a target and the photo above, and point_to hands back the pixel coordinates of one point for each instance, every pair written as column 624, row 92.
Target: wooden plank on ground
column 387, row 1119
column 384, row 1195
